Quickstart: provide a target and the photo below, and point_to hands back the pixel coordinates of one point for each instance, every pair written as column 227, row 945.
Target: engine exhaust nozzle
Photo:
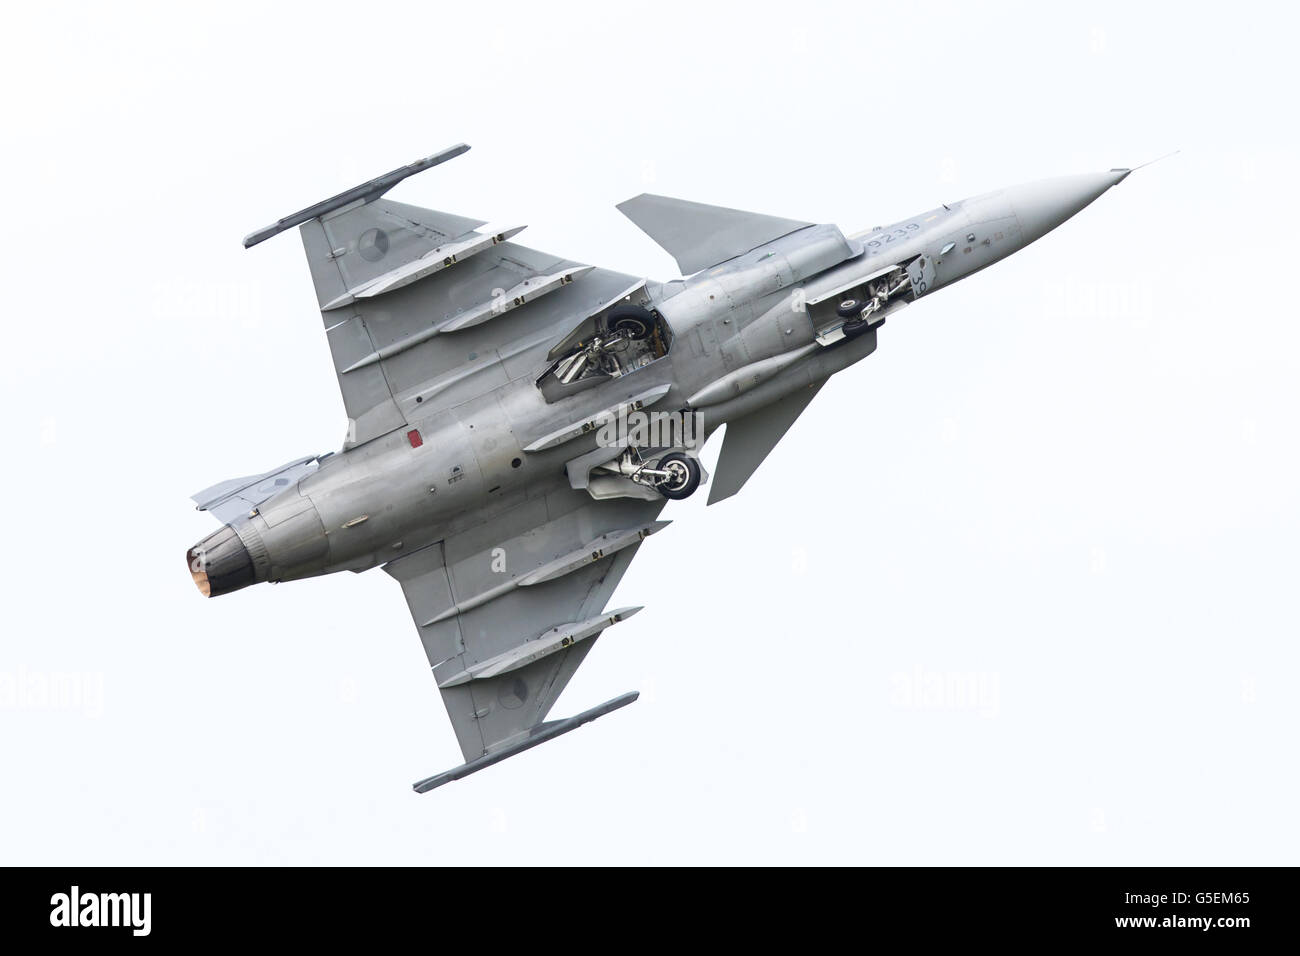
column 220, row 563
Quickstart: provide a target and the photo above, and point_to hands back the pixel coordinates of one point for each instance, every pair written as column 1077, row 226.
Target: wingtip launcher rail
column 539, row 735
column 366, row 192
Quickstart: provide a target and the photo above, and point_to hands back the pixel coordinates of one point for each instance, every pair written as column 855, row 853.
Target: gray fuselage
column 742, row 337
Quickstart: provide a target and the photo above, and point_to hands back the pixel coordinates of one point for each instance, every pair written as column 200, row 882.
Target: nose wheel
column 681, row 476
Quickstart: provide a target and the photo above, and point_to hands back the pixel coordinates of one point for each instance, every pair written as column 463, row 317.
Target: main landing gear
column 680, row 476
column 675, row 475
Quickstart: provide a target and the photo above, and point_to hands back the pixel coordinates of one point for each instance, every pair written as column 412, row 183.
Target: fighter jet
column 518, row 421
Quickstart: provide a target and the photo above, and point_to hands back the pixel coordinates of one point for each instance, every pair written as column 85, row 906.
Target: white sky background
column 1071, row 478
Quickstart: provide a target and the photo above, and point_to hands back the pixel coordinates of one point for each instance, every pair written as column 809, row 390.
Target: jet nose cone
column 1042, row 206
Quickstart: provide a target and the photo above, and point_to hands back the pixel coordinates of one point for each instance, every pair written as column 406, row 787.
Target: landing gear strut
column 675, row 475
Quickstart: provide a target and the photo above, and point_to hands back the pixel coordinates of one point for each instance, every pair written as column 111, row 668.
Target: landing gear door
column 921, row 271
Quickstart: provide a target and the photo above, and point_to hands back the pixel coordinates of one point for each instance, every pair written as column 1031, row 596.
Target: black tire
column 852, row 330
column 638, row 322
column 688, row 469
column 850, row 308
